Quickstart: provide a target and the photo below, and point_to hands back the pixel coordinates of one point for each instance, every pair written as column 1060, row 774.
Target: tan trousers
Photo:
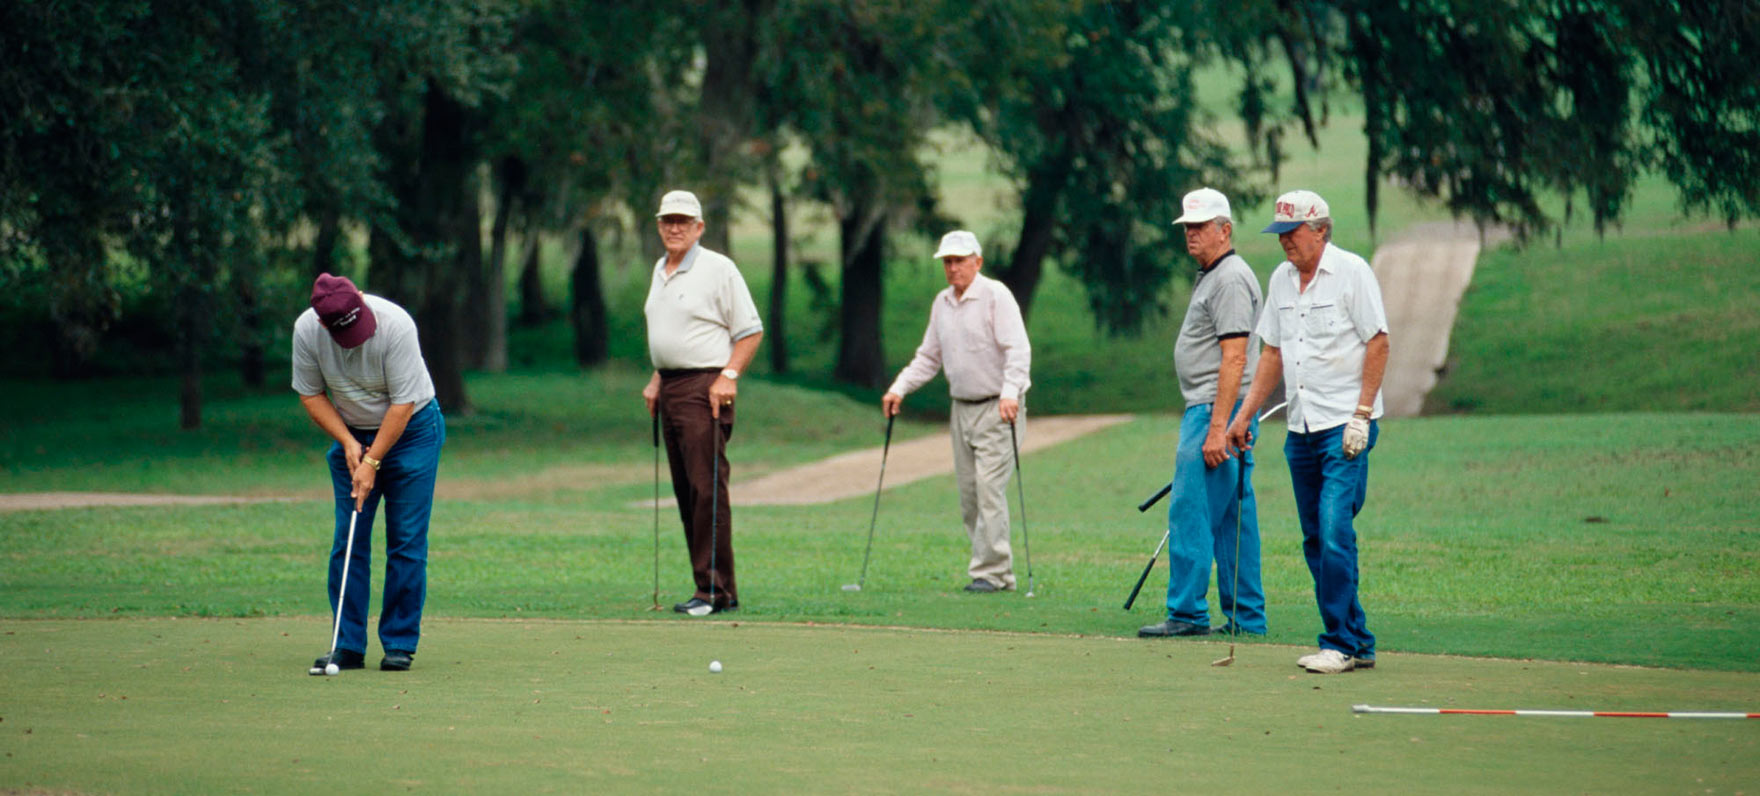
column 983, row 462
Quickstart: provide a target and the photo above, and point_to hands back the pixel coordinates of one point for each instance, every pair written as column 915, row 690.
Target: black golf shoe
column 344, row 660
column 396, row 661
column 982, row 586
column 1172, row 628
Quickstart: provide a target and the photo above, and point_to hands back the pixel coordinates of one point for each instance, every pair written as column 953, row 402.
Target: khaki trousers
column 983, row 460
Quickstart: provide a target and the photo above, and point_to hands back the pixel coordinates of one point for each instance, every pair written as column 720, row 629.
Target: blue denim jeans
column 406, row 487
column 1329, row 491
column 1206, row 503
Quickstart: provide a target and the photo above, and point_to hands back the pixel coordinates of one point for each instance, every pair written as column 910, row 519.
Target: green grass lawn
column 571, row 706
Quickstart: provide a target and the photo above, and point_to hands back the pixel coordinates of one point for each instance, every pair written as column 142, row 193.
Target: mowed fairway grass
column 1493, row 548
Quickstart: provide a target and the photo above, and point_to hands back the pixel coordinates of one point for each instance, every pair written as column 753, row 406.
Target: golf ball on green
column 714, row 667
column 332, row 670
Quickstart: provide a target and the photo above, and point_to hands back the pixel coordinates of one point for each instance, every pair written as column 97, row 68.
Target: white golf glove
column 1356, row 436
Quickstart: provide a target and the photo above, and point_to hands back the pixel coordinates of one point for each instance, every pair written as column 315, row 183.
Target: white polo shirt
column 979, row 339
column 1323, row 334
column 696, row 314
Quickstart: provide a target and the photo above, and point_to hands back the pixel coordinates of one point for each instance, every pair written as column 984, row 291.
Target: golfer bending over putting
column 358, row 369
column 976, row 336
column 1213, row 507
column 1324, row 327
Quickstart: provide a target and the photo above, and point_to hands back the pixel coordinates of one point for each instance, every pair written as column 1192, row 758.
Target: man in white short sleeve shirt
column 1325, row 329
column 703, row 330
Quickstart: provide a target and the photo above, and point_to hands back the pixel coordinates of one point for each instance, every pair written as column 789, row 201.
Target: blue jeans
column 1201, row 524
column 406, row 485
column 1329, row 491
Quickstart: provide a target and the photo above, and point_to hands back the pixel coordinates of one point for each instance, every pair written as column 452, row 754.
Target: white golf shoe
column 1328, row 661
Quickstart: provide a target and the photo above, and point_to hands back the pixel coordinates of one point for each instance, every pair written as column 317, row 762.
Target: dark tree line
column 212, row 149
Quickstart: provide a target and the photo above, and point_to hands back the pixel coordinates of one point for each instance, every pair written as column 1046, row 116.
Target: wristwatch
column 730, row 374
column 371, row 462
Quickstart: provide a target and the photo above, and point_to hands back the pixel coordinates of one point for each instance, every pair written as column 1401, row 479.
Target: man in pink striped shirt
column 976, row 336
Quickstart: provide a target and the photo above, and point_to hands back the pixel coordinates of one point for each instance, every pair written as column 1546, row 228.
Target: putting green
column 196, row 705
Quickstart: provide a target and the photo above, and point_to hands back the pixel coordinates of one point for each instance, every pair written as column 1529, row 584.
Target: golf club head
column 1225, row 661
column 852, row 587
column 316, row 671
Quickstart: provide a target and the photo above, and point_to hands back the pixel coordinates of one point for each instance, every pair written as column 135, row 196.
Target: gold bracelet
column 371, row 462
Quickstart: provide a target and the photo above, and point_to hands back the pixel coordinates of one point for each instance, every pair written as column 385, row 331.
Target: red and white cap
column 1297, row 208
column 1203, row 205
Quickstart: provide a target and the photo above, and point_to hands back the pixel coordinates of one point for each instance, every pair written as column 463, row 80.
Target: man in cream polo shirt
column 703, row 329
column 976, row 336
column 1325, row 332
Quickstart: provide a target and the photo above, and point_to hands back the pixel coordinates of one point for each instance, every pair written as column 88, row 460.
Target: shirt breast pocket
column 1321, row 318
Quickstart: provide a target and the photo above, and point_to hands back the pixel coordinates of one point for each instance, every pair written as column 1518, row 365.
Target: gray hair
column 1322, row 226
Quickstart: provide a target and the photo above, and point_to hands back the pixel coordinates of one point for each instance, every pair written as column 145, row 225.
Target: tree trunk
column 1045, row 186
column 860, row 358
column 776, row 327
column 324, row 248
column 251, row 367
column 726, row 120
column 587, row 309
column 511, row 183
column 532, row 308
column 429, row 167
column 82, row 304
column 190, row 315
column 484, row 301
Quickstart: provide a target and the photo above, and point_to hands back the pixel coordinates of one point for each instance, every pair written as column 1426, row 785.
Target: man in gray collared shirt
column 1213, row 514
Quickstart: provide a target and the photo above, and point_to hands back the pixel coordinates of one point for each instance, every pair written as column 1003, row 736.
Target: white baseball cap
column 1297, row 208
column 680, row 203
column 958, row 243
column 1203, row 205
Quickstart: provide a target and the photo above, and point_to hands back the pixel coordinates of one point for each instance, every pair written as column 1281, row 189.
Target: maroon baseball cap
column 343, row 310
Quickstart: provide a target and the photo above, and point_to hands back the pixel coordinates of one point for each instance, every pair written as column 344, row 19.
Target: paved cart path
column 1423, row 272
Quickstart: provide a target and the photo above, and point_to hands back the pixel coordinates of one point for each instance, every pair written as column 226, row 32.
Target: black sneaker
column 726, row 607
column 344, row 660
column 1171, row 628
column 396, row 661
column 695, row 606
column 982, row 586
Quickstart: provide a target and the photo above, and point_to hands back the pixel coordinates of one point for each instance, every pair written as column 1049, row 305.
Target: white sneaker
column 1329, row 662
column 1302, row 662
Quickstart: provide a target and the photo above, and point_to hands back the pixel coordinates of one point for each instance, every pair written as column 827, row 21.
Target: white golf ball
column 714, row 667
column 332, row 670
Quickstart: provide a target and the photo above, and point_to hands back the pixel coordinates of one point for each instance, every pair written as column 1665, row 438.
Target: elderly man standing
column 703, row 329
column 359, row 372
column 977, row 337
column 1213, row 513
column 1325, row 329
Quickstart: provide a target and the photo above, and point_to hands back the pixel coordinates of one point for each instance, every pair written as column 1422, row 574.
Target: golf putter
column 656, row 425
column 1240, row 492
column 1240, row 500
column 884, row 450
column 1020, row 482
column 341, row 592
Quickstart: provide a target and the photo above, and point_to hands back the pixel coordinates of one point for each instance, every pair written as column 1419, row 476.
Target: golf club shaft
column 885, row 450
column 342, row 588
column 1020, row 483
column 656, row 425
column 1155, row 498
column 1141, row 579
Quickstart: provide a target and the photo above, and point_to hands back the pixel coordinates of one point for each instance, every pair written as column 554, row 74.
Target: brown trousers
column 696, row 445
